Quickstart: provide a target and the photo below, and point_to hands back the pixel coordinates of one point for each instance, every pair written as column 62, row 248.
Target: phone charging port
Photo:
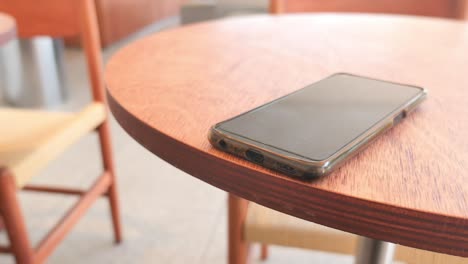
column 254, row 156
column 223, row 144
column 285, row 168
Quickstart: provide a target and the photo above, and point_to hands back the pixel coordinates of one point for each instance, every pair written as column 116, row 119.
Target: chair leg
column 2, row 225
column 237, row 246
column 115, row 211
column 276, row 6
column 264, row 252
column 13, row 219
column 106, row 150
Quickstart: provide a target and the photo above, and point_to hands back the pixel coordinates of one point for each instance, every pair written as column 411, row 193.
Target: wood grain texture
column 436, row 8
column 272, row 227
column 409, row 187
column 268, row 226
column 7, row 28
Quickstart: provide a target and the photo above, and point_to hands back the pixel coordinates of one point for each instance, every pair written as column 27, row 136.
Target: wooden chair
column 250, row 223
column 456, row 9
column 30, row 139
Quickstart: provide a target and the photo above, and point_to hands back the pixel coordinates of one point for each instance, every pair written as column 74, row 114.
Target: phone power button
column 399, row 117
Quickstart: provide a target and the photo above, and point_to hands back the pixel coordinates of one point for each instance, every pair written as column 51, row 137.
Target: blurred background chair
column 30, row 139
column 7, row 34
column 252, row 223
column 436, row 8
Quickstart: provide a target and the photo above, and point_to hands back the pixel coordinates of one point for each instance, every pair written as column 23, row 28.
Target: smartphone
column 310, row 132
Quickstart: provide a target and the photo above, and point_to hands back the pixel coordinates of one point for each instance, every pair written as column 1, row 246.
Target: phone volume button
column 399, row 117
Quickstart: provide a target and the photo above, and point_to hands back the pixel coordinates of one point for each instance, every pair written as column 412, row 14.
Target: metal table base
column 372, row 251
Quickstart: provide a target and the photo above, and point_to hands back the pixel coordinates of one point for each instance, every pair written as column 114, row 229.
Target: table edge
column 375, row 220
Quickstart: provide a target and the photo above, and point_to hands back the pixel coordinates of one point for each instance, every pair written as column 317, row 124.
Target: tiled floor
column 168, row 216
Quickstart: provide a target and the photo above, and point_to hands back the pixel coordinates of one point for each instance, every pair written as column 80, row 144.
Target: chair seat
column 271, row 227
column 29, row 139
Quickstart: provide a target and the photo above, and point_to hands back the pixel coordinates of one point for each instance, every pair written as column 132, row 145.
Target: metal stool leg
column 371, row 251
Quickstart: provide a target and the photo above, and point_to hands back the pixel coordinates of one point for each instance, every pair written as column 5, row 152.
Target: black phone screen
column 320, row 119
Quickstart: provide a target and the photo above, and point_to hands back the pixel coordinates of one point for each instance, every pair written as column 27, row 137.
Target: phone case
column 298, row 166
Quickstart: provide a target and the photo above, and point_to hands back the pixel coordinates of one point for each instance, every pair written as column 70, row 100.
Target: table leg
column 371, row 251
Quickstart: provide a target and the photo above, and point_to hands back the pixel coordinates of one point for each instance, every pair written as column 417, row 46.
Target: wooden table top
column 409, row 187
column 7, row 28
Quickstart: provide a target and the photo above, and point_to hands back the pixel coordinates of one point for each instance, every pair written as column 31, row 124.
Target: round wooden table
column 409, row 187
column 7, row 28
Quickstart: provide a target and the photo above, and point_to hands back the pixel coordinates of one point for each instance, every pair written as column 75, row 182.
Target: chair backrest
column 62, row 18
column 58, row 18
column 436, row 8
